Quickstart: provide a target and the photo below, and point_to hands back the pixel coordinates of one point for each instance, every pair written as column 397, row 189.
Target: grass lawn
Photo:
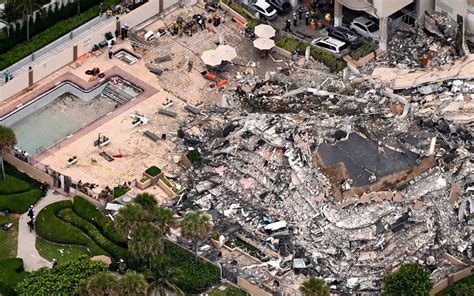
column 228, row 290
column 8, row 238
column 464, row 287
column 50, row 251
column 11, row 273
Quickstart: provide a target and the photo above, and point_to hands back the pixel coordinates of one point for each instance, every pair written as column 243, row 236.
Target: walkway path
column 27, row 240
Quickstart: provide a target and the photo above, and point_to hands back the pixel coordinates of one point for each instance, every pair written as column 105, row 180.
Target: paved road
column 27, row 240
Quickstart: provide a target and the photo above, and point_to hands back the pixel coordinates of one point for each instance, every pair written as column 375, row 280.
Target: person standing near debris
column 122, row 33
column 307, row 16
column 295, row 19
column 31, row 224
column 126, row 30
column 300, row 13
column 110, row 52
column 288, row 26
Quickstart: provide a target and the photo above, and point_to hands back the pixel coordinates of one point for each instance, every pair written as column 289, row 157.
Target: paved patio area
column 176, row 84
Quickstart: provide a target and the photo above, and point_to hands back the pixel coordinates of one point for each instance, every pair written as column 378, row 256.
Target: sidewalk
column 27, row 240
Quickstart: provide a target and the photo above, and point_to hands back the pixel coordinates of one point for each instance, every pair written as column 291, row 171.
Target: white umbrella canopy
column 226, row 52
column 264, row 31
column 263, row 43
column 210, row 57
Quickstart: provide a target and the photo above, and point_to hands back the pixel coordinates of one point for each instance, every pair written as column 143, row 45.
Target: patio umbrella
column 264, row 31
column 210, row 57
column 226, row 52
column 263, row 43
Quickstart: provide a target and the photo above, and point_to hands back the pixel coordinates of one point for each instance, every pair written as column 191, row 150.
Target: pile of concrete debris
column 433, row 41
column 343, row 186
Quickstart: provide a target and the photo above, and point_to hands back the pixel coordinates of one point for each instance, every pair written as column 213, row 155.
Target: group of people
column 181, row 26
column 311, row 17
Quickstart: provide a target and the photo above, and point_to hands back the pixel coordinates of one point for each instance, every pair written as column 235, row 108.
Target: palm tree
column 147, row 201
column 7, row 140
column 145, row 244
column 132, row 284
column 163, row 219
column 314, row 287
column 163, row 277
column 26, row 9
column 78, row 7
column 129, row 219
column 195, row 226
column 103, row 283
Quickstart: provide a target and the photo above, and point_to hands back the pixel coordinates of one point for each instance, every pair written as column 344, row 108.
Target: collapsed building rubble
column 340, row 177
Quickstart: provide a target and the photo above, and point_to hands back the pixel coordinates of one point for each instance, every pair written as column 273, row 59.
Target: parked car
column 331, row 45
column 366, row 28
column 265, row 10
column 281, row 6
column 346, row 35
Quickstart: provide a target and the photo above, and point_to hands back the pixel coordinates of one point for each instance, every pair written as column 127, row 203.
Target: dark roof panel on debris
column 362, row 156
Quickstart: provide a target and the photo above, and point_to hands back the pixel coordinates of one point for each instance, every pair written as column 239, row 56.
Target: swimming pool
column 64, row 110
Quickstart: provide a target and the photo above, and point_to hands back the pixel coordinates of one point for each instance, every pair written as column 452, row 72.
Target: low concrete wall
column 451, row 279
column 251, row 288
column 28, row 169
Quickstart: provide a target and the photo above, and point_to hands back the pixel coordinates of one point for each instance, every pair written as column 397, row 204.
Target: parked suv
column 281, row 6
column 332, row 45
column 265, row 10
column 365, row 27
column 346, row 35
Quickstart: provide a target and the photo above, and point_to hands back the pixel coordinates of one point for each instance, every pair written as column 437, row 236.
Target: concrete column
column 383, row 33
column 74, row 52
column 294, row 3
column 423, row 5
column 337, row 14
column 30, row 76
column 161, row 5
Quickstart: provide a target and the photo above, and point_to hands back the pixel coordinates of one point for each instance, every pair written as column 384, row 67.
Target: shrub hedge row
column 194, row 277
column 12, row 185
column 52, row 33
column 13, row 172
column 90, row 213
column 363, row 51
column 20, row 202
column 52, row 228
column 69, row 216
column 334, row 64
column 11, row 271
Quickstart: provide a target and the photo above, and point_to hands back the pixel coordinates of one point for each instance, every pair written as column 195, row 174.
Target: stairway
column 116, row 94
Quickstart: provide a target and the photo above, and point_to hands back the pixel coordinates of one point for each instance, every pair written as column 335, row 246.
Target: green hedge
column 89, row 212
column 194, row 277
column 53, row 229
column 54, row 32
column 334, row 64
column 251, row 22
column 13, row 172
column 363, row 51
column 62, row 279
column 12, row 185
column 69, row 216
column 11, row 271
column 20, row 202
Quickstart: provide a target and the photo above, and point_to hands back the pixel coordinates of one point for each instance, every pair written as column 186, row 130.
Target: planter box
column 145, row 184
column 166, row 188
column 363, row 60
column 153, row 179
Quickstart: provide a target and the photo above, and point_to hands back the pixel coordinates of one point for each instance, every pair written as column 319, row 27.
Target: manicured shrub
column 7, row 290
column 13, row 172
column 20, row 202
column 11, row 271
column 89, row 212
column 120, row 190
column 52, row 228
column 69, row 216
column 153, row 171
column 330, row 61
column 193, row 155
column 363, row 51
column 194, row 277
column 63, row 279
column 12, row 185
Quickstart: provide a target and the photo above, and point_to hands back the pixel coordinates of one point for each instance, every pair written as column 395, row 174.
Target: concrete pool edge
column 148, row 91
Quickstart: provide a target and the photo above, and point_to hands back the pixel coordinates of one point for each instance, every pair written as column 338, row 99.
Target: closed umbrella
column 264, row 31
column 210, row 57
column 226, row 52
column 263, row 43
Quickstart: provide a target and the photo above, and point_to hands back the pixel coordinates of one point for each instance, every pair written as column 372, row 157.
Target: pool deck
column 176, row 84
